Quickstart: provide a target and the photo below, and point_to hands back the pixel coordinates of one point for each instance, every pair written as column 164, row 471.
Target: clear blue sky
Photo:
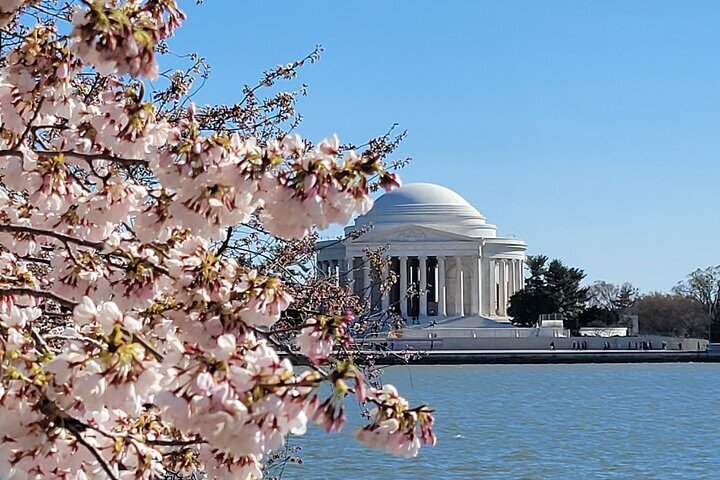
column 589, row 129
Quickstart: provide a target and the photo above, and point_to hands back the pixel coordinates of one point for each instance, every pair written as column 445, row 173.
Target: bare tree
column 703, row 285
column 669, row 314
column 612, row 297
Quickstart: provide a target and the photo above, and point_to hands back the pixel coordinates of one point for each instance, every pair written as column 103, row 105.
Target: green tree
column 597, row 316
column 626, row 297
column 564, row 283
column 551, row 288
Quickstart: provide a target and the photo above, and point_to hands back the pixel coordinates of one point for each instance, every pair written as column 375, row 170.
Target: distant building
column 604, row 332
column 441, row 246
column 627, row 327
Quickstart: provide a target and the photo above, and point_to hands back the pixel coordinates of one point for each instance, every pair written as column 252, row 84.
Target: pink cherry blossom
column 141, row 329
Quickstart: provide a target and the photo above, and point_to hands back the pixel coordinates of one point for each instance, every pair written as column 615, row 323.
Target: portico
column 449, row 262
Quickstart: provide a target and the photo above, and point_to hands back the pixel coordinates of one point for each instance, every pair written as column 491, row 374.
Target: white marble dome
column 430, row 205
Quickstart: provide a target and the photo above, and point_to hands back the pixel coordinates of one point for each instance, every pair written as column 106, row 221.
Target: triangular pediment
column 410, row 234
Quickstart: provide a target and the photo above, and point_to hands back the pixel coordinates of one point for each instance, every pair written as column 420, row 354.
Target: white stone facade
column 440, row 246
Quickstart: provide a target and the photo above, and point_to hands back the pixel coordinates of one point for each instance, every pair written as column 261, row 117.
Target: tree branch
column 142, row 341
column 60, row 236
column 37, row 293
column 29, row 124
column 175, row 443
column 71, row 338
column 11, row 152
column 226, row 243
column 93, row 451
column 44, row 261
column 89, row 157
column 36, row 335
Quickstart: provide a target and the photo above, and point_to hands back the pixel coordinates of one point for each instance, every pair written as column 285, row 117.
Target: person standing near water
column 392, row 336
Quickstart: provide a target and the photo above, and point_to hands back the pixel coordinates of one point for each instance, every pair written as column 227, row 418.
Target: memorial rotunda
column 440, row 246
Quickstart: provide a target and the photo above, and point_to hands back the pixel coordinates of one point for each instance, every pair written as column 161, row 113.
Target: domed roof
column 427, row 204
column 422, row 194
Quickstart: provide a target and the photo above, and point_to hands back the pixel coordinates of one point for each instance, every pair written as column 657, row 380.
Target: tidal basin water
column 626, row 421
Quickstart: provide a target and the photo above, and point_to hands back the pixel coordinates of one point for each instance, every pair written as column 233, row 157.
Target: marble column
column 336, row 271
column 507, row 289
column 423, row 286
column 367, row 291
column 493, row 288
column 386, row 293
column 476, row 284
column 441, row 287
column 403, row 286
column 521, row 273
column 511, row 277
column 458, row 287
column 479, row 284
column 503, row 288
column 348, row 271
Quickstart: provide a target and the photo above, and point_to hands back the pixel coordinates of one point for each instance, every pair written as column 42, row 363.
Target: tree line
column 691, row 308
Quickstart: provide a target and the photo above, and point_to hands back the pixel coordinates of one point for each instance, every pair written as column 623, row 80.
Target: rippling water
column 629, row 421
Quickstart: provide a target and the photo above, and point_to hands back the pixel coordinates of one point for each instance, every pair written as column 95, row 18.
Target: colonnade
column 439, row 285
column 329, row 267
column 507, row 275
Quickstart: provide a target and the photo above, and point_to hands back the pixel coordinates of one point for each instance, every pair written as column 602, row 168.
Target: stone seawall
column 641, row 343
column 467, row 357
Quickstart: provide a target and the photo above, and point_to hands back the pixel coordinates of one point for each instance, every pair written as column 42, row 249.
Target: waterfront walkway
column 457, row 357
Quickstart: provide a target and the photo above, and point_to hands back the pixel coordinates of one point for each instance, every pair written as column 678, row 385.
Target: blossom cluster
column 130, row 344
column 8, row 8
column 396, row 428
column 117, row 37
column 321, row 334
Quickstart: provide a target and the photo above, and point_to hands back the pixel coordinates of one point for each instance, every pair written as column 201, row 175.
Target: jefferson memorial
column 450, row 263
column 455, row 278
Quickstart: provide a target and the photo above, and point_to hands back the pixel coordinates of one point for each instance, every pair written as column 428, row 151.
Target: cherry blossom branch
column 44, row 261
column 142, row 341
column 175, row 443
column 93, row 451
column 90, row 157
column 58, row 16
column 76, row 427
column 37, row 293
column 36, row 112
column 294, row 356
column 171, row 268
column 71, row 338
column 47, row 233
column 226, row 242
column 36, row 335
column 11, row 152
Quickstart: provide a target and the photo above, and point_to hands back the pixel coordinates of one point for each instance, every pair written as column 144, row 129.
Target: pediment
column 410, row 234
